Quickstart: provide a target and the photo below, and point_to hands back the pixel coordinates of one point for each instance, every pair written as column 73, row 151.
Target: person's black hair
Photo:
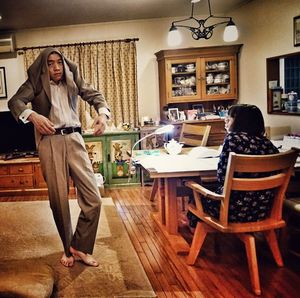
column 247, row 118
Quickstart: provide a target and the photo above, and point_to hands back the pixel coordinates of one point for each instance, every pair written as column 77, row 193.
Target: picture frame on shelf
column 192, row 114
column 276, row 99
column 173, row 114
column 3, row 88
column 297, row 31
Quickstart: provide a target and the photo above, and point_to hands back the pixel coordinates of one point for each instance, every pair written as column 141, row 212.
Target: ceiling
column 26, row 14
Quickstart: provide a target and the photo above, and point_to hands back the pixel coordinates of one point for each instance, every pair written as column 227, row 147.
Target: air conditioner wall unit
column 7, row 46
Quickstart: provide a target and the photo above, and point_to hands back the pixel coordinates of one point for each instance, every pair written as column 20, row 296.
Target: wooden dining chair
column 279, row 167
column 190, row 135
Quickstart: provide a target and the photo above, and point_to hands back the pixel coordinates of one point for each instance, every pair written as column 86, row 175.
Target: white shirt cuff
column 104, row 111
column 24, row 115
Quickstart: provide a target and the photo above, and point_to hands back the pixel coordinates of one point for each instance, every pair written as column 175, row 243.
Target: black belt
column 67, row 130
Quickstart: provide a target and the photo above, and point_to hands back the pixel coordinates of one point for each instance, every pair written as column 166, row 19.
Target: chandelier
column 203, row 28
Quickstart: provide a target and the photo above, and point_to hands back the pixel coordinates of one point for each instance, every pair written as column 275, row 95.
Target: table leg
column 171, row 205
column 167, row 216
column 161, row 201
column 154, row 189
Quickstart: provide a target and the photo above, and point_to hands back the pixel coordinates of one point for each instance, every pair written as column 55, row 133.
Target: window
column 283, row 76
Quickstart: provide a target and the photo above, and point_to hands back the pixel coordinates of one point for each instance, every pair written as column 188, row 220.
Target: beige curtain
column 110, row 66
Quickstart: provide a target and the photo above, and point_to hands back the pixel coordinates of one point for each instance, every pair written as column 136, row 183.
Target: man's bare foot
column 67, row 261
column 85, row 258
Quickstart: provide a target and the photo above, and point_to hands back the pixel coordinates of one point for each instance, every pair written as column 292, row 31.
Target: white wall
column 266, row 30
column 14, row 71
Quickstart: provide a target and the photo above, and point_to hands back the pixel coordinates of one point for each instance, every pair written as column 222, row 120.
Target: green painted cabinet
column 109, row 156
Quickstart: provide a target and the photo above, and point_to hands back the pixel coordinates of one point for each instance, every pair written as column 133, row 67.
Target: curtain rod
column 77, row 44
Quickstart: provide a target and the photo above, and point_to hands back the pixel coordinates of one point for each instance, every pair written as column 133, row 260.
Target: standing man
column 52, row 88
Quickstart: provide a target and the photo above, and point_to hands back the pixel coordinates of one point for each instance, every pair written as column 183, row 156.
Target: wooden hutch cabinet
column 191, row 78
column 205, row 75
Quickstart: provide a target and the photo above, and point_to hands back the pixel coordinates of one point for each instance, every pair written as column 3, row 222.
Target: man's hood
column 40, row 67
column 38, row 71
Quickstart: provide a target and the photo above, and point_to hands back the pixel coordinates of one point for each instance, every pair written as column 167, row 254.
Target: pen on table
column 205, row 157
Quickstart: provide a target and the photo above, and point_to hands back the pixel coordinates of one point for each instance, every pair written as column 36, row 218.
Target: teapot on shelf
column 173, row 147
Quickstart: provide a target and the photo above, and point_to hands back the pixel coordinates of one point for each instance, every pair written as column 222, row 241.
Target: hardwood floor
column 220, row 271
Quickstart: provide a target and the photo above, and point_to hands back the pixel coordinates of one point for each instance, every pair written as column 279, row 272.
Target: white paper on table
column 277, row 143
column 178, row 163
column 204, row 152
column 289, row 142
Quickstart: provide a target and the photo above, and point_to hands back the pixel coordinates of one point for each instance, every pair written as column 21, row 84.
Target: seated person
column 245, row 135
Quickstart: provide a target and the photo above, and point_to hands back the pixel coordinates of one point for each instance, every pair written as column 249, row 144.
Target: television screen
column 15, row 137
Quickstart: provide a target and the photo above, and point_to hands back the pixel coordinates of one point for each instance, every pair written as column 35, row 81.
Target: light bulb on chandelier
column 230, row 32
column 174, row 37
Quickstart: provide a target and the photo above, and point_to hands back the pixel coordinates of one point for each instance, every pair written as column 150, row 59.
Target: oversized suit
column 62, row 156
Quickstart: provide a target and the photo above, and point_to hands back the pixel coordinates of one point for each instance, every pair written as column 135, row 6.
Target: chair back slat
column 256, row 184
column 262, row 163
column 194, row 135
column 277, row 132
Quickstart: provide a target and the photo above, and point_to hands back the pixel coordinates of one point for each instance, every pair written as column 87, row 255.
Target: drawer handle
column 22, row 182
column 20, row 170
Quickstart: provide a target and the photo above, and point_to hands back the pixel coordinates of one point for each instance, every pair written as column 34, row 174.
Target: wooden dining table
column 167, row 170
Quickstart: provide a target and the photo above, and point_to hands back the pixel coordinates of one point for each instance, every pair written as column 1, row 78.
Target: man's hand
column 99, row 124
column 42, row 124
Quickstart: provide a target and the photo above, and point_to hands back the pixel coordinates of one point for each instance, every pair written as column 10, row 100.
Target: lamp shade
column 174, row 37
column 230, row 32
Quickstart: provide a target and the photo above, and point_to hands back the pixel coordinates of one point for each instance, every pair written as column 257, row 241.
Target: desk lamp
column 158, row 131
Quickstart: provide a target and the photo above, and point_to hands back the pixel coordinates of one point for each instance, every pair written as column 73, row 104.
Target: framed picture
column 3, row 89
column 276, row 98
column 191, row 114
column 173, row 114
column 297, row 31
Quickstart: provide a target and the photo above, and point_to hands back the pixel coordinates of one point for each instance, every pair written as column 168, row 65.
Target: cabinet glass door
column 182, row 80
column 219, row 79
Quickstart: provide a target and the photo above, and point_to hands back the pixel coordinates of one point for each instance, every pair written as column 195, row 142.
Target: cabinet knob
column 21, row 170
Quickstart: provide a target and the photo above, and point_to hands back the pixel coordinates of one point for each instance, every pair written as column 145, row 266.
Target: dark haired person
column 245, row 135
column 53, row 88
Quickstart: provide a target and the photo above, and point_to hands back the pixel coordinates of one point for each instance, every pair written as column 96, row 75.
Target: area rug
column 30, row 249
